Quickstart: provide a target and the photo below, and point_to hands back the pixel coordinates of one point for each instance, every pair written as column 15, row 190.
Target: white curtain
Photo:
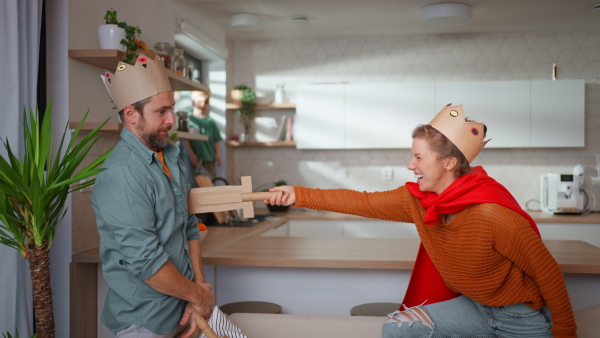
column 20, row 24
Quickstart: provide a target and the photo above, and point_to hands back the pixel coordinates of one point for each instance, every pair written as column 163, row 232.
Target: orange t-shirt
column 161, row 158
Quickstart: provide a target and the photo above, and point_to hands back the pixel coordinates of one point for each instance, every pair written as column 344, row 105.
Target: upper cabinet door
column 503, row 106
column 518, row 114
column 383, row 115
column 320, row 116
column 557, row 113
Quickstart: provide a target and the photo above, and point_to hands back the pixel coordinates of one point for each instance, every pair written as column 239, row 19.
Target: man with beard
column 149, row 244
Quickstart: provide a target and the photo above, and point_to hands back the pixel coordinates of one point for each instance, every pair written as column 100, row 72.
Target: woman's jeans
column 464, row 317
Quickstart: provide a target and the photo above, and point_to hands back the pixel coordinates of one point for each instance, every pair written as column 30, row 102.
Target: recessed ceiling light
column 446, row 14
column 300, row 19
column 246, row 22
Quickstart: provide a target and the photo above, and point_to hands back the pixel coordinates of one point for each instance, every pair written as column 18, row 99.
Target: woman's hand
column 287, row 197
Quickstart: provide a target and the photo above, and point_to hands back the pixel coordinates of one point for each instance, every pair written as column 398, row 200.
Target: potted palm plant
column 33, row 190
column 247, row 103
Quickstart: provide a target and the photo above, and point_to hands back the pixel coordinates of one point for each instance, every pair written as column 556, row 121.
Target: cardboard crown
column 466, row 136
column 130, row 84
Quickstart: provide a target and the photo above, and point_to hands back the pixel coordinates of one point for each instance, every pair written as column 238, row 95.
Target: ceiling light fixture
column 300, row 19
column 246, row 22
column 446, row 14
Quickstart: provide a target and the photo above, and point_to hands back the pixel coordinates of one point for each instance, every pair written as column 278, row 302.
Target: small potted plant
column 119, row 35
column 247, row 102
column 278, row 208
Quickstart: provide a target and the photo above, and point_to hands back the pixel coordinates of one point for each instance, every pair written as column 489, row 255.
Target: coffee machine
column 562, row 193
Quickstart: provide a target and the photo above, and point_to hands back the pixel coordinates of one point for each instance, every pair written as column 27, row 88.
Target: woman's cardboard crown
column 466, row 136
column 130, row 84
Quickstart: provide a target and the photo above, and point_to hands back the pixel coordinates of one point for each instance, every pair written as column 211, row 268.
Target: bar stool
column 251, row 307
column 374, row 309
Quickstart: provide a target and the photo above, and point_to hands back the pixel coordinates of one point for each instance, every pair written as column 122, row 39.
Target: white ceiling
column 383, row 17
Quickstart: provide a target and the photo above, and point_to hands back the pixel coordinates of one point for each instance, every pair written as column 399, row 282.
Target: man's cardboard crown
column 466, row 136
column 130, row 84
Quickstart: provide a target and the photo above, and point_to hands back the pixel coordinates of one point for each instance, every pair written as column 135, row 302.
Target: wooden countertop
column 243, row 246
column 218, row 237
column 314, row 252
column 543, row 217
column 538, row 216
column 369, row 253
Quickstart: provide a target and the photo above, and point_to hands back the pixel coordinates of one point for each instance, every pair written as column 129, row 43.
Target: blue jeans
column 464, row 317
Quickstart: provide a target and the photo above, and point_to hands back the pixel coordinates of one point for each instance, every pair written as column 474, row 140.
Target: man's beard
column 153, row 139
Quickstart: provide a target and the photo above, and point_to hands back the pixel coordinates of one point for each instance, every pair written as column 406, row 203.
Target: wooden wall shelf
column 237, row 144
column 115, row 128
column 109, row 127
column 108, row 59
column 265, row 106
column 189, row 136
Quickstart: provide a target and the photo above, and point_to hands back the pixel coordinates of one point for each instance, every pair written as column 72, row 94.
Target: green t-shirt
column 205, row 150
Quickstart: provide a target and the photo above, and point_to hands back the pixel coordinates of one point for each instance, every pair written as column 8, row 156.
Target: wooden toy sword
column 206, row 329
column 227, row 197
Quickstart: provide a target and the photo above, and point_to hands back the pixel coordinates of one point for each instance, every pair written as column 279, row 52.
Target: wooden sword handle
column 258, row 196
column 206, row 329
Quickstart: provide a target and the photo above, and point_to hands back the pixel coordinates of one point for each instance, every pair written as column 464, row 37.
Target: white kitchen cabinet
column 519, row 114
column 345, row 228
column 282, row 230
column 361, row 116
column 587, row 232
column 383, row 115
column 379, row 229
column 320, row 116
column 301, row 228
column 557, row 113
column 502, row 105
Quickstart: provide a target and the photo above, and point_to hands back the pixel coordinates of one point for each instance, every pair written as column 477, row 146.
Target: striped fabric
column 223, row 326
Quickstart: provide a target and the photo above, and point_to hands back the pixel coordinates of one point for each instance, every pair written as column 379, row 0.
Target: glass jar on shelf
column 182, row 124
column 164, row 49
column 178, row 62
column 189, row 69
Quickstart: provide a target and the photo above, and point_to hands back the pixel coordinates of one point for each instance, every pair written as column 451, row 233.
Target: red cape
column 426, row 285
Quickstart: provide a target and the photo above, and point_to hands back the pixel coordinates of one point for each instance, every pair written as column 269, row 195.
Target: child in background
column 205, row 153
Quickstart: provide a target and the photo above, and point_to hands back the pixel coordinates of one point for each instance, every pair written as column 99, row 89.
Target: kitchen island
column 324, row 275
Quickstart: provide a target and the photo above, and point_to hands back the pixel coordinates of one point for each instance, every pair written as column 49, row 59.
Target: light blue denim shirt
column 142, row 219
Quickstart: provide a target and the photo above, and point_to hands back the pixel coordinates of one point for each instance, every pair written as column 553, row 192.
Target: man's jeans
column 464, row 317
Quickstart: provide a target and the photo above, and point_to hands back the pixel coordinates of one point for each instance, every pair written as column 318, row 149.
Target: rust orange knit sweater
column 488, row 253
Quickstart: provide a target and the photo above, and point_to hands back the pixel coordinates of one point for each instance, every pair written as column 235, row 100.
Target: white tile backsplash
column 400, row 58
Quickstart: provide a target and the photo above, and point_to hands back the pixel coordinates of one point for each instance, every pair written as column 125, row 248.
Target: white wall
column 216, row 79
column 399, row 58
column 57, row 86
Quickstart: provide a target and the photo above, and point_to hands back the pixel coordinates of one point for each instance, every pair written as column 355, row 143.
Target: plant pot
column 278, row 208
column 110, row 37
column 236, row 96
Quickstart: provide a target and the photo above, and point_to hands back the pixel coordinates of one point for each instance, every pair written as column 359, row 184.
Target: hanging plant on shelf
column 247, row 108
column 131, row 34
